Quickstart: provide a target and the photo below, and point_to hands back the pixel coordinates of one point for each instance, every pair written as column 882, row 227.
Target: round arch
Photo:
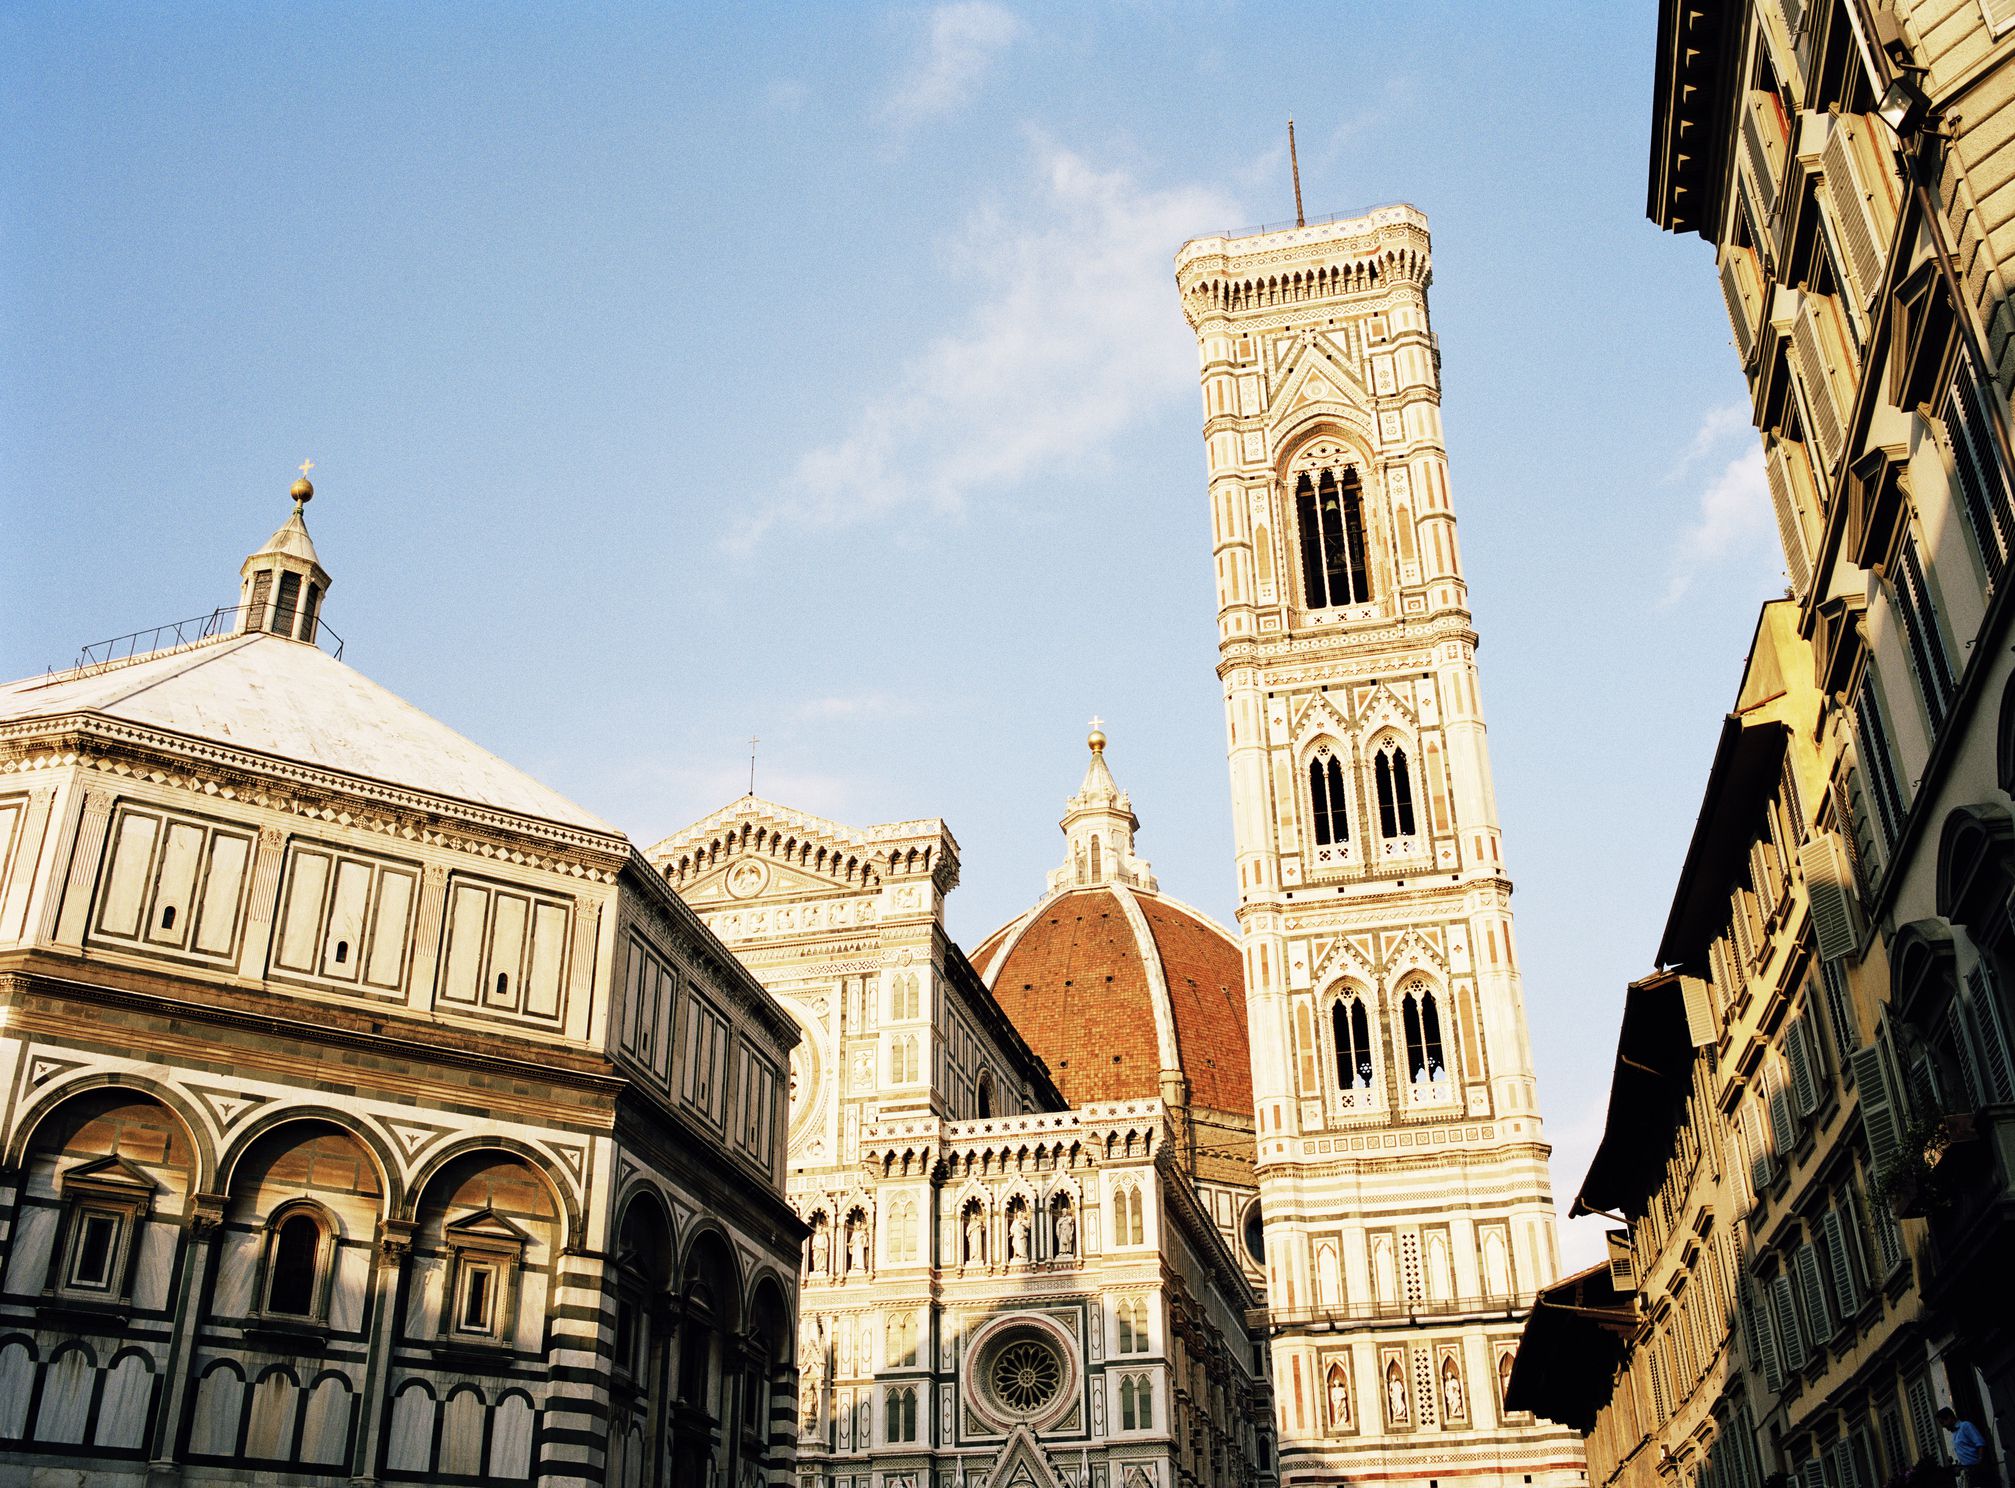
column 1976, row 864
column 167, row 1097
column 540, row 1163
column 393, row 1201
column 708, row 1255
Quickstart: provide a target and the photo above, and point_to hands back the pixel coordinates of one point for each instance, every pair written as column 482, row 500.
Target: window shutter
column 1966, row 1044
column 1761, row 1166
column 1622, row 1261
column 1924, row 1420
column 1812, row 1473
column 1804, row 1081
column 1841, row 1460
column 1998, row 14
column 1783, row 1123
column 1840, row 1012
column 1829, row 884
column 1879, row 1116
column 1699, row 1011
column 1997, row 1075
column 1762, row 1337
column 1814, row 352
column 1846, row 1295
column 1784, row 1313
column 1742, row 288
column 1812, row 1287
column 1863, row 198
column 1790, row 476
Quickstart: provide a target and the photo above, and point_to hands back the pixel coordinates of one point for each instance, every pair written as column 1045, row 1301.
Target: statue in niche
column 1019, row 1230
column 1395, row 1396
column 1066, row 1230
column 857, row 1245
column 1451, row 1391
column 976, row 1236
column 1339, row 1397
column 821, row 1247
column 808, row 1405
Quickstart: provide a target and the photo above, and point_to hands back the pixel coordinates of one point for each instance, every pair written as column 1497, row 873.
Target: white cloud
column 1733, row 520
column 963, row 41
column 1073, row 336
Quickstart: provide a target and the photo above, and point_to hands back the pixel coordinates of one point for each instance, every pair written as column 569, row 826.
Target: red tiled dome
column 1097, row 979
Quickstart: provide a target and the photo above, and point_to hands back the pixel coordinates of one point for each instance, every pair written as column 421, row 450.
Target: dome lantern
column 1099, row 824
column 281, row 586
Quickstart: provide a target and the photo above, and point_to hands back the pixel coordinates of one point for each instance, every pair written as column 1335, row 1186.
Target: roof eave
column 1690, row 100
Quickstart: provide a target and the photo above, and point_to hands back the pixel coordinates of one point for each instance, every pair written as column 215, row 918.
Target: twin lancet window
column 1330, row 515
column 1426, row 1052
column 1328, row 796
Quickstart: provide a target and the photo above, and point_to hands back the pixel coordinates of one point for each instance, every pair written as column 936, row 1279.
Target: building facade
column 346, row 1135
column 1402, row 1173
column 1766, row 1315
column 1021, row 1189
column 1848, row 162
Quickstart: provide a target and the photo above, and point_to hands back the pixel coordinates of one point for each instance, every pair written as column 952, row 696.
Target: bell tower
column 1408, row 1217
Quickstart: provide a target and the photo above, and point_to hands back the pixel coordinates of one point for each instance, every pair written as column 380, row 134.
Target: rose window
column 1026, row 1375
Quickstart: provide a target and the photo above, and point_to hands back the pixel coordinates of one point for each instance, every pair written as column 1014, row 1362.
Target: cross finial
column 306, row 466
column 1096, row 738
column 753, row 742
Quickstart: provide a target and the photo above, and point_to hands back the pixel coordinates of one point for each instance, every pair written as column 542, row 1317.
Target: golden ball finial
column 301, row 489
column 1096, row 738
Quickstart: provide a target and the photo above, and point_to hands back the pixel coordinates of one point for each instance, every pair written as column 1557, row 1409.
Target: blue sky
column 817, row 373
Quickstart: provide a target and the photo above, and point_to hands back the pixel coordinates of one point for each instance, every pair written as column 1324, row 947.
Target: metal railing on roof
column 177, row 634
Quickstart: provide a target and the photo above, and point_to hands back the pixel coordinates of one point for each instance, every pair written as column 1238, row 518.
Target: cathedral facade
column 1401, row 1165
column 1023, row 1173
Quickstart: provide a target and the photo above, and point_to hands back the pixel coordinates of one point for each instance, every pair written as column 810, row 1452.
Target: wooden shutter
column 1846, row 1294
column 1742, row 288
column 1862, row 196
column 1879, row 1117
column 1699, row 1011
column 1784, row 1313
column 1829, row 885
column 1812, row 1288
column 1804, row 1079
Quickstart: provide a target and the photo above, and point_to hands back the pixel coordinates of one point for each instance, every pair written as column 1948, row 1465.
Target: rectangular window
column 476, row 1306
column 93, row 1260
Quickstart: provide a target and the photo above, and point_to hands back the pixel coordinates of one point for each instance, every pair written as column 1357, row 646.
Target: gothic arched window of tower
column 1395, row 792
column 1330, row 513
column 1326, row 795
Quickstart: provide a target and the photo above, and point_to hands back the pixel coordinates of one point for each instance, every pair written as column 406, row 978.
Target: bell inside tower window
column 1330, row 514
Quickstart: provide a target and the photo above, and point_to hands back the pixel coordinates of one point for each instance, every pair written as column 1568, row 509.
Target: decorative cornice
column 203, row 767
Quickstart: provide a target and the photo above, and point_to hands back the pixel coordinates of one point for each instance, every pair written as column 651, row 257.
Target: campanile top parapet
column 1343, row 247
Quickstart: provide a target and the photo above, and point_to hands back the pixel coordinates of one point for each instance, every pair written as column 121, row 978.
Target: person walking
column 1969, row 1450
